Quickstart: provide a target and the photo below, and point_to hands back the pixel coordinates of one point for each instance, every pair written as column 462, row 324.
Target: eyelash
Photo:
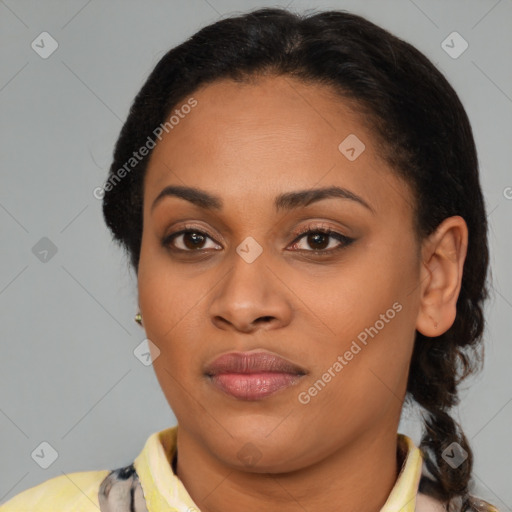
column 344, row 240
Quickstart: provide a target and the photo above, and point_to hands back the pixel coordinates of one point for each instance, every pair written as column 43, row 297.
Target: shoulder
column 68, row 492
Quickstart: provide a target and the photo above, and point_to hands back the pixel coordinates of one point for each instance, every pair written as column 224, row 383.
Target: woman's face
column 340, row 309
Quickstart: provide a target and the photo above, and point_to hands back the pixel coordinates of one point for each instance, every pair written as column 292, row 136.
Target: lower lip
column 253, row 386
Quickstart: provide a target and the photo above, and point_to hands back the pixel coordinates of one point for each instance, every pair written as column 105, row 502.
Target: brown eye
column 193, row 240
column 321, row 241
column 318, row 240
column 188, row 241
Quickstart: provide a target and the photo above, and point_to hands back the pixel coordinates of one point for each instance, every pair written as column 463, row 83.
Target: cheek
column 370, row 312
column 163, row 295
column 172, row 304
column 370, row 367
column 169, row 308
column 165, row 302
column 353, row 295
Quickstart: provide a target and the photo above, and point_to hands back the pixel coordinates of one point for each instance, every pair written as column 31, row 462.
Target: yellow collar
column 164, row 491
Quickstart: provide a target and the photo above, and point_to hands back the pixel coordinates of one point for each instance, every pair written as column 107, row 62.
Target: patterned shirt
column 150, row 484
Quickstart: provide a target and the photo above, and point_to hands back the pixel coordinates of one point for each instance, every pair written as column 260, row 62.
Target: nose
column 251, row 297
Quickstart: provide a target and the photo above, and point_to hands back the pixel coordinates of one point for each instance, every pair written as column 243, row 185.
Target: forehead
column 274, row 134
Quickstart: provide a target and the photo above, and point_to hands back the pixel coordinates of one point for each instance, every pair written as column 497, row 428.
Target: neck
column 366, row 472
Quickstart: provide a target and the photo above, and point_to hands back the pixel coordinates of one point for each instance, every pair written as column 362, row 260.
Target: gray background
column 67, row 368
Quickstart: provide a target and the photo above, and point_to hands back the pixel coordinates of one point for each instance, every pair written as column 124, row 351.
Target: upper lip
column 252, row 362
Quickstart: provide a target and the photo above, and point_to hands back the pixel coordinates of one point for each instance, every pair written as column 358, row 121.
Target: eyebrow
column 286, row 201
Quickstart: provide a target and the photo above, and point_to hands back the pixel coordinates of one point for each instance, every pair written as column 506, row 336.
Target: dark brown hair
column 425, row 136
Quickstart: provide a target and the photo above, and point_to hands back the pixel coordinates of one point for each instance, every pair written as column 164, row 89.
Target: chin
column 259, row 449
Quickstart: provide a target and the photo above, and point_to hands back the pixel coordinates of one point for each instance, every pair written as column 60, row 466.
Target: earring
column 138, row 318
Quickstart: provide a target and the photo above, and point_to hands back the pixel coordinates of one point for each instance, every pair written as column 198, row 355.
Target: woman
column 299, row 197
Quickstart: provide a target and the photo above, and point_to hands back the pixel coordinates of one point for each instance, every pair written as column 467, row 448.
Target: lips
column 252, row 375
column 252, row 362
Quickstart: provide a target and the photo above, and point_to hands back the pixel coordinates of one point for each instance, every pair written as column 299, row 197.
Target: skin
column 246, row 144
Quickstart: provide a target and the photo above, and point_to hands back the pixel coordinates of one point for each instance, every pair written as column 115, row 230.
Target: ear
column 443, row 256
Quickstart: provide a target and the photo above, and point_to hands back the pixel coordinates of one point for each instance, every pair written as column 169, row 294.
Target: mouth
column 253, row 375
